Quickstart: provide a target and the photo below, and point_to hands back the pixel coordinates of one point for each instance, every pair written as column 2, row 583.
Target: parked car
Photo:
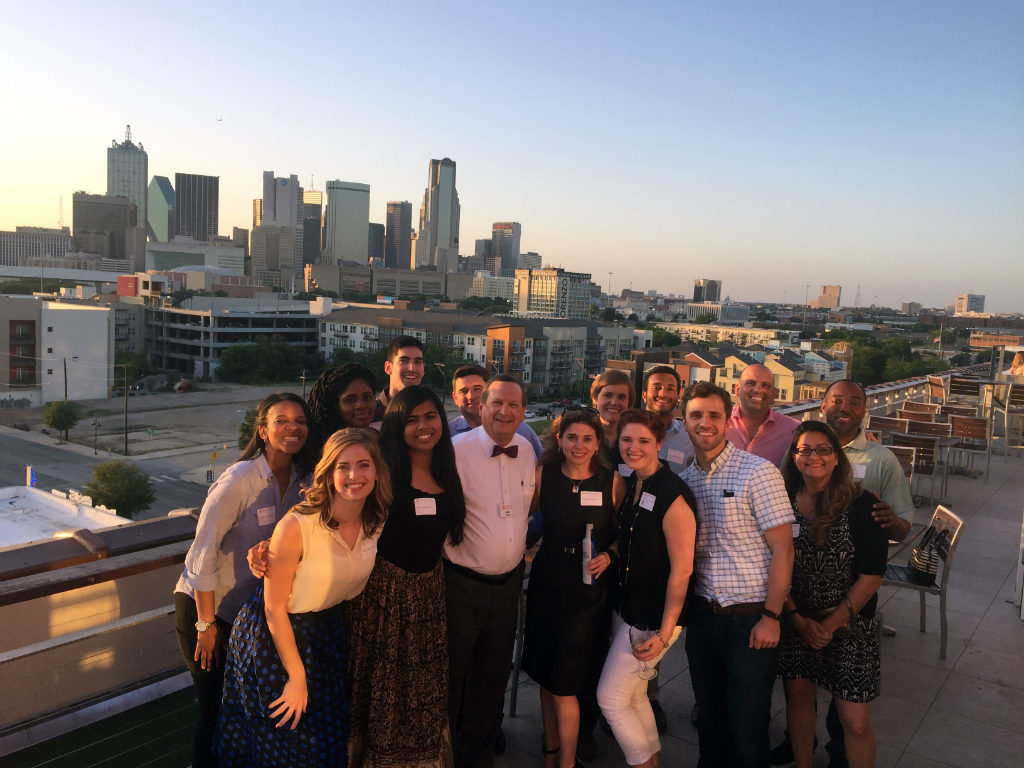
column 529, row 415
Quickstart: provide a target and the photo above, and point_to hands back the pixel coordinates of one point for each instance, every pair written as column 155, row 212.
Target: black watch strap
column 771, row 614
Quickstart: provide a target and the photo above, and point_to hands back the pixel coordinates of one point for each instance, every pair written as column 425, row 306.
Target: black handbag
column 923, row 566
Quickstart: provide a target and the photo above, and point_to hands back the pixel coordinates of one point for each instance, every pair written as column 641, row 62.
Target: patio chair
column 965, row 390
column 1010, row 406
column 899, row 575
column 912, row 406
column 937, row 389
column 903, row 413
column 957, row 410
column 930, row 428
column 907, row 457
column 926, row 461
column 975, row 436
column 886, row 425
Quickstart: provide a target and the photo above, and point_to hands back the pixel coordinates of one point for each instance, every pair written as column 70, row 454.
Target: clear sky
column 773, row 145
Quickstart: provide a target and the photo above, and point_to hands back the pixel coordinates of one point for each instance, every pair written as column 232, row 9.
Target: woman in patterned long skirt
column 285, row 696
column 399, row 648
column 830, row 639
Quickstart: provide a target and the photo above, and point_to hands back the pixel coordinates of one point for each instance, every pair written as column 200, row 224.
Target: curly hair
column 318, row 498
column 305, row 459
column 840, row 491
column 553, row 455
column 442, row 462
column 323, row 400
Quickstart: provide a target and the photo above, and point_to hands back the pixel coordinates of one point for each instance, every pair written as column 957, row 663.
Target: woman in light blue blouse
column 241, row 510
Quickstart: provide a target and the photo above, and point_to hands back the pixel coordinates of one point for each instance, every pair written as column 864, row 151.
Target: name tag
column 676, row 456
column 265, row 515
column 426, row 506
column 796, row 530
column 591, row 499
column 369, row 548
column 859, row 470
column 504, row 510
column 646, row 501
column 624, row 470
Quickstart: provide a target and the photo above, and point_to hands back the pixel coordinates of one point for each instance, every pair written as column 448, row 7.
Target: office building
column 531, row 260
column 25, row 244
column 257, row 212
column 196, row 206
column 375, row 235
column 707, row 290
column 911, row 307
column 128, row 173
column 717, row 312
column 437, row 243
column 160, row 209
column 183, row 253
column 346, row 230
column 398, row 236
column 968, row 302
column 281, row 219
column 100, row 224
column 282, row 201
column 312, row 225
column 829, row 297
column 552, row 293
column 505, row 237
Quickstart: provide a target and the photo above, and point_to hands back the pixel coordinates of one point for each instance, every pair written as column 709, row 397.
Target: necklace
column 632, row 526
column 576, row 483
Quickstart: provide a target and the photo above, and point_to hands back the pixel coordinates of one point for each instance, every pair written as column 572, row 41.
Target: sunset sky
column 772, row 145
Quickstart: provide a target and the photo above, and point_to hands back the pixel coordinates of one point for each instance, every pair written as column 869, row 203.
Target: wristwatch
column 771, row 614
column 202, row 626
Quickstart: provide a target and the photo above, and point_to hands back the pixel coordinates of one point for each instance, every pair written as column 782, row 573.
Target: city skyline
column 775, row 147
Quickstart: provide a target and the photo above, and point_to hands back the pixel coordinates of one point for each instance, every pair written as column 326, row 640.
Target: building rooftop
column 29, row 514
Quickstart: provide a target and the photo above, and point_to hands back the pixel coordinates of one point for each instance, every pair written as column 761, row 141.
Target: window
column 49, row 350
column 49, row 371
column 49, row 329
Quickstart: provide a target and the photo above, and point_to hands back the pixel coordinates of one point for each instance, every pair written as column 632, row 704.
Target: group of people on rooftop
column 352, row 593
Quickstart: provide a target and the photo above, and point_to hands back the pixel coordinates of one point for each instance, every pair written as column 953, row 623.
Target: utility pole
column 125, row 409
column 65, row 379
column 303, row 377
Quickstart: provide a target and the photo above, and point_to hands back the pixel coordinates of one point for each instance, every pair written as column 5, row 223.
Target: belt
column 483, row 578
column 736, row 609
column 571, row 550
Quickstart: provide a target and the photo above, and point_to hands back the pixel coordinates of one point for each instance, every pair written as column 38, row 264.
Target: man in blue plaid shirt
column 743, row 562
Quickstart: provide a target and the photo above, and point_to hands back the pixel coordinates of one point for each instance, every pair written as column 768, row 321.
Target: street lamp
column 443, row 370
column 95, row 432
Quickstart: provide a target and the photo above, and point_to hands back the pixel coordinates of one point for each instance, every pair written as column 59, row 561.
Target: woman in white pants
column 657, row 531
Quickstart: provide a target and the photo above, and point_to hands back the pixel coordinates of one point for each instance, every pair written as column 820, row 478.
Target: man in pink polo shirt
column 754, row 427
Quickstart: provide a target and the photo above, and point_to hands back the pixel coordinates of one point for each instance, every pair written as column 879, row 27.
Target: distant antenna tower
column 856, row 299
column 128, row 134
column 60, row 216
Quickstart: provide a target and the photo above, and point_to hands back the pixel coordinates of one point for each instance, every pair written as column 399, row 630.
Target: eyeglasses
column 819, row 450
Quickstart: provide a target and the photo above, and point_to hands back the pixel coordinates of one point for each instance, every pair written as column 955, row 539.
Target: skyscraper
column 437, row 244
column 99, row 223
column 128, row 173
column 829, row 296
column 312, row 225
column 707, row 290
column 505, row 237
column 398, row 236
column 196, row 206
column 969, row 302
column 160, row 209
column 347, row 223
column 282, row 200
column 375, row 244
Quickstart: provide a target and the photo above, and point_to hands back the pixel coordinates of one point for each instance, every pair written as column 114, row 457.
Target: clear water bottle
column 588, row 552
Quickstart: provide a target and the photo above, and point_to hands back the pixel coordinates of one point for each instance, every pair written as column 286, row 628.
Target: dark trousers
column 732, row 684
column 209, row 683
column 481, row 636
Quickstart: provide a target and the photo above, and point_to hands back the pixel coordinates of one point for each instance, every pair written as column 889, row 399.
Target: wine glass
column 638, row 635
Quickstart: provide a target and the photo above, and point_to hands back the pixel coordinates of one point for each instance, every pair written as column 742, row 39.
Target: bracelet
column 657, row 634
column 611, row 556
column 850, row 606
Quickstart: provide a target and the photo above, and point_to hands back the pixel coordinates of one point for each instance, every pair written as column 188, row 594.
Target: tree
column 121, row 486
column 62, row 415
column 706, row 319
column 663, row 338
column 246, row 428
column 267, row 361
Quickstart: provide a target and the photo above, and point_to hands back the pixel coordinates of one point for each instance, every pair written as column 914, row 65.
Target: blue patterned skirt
column 254, row 676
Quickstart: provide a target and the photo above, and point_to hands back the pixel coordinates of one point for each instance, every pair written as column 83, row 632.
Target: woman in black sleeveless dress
column 568, row 621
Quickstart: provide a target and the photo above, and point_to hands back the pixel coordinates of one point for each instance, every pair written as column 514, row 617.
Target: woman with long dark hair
column 400, row 667
column 567, row 620
column 657, row 534
column 241, row 509
column 830, row 639
column 285, row 692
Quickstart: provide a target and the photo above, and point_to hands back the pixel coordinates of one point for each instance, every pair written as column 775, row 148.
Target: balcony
column 962, row 711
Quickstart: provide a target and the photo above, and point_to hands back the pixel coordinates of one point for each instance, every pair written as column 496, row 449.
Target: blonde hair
column 318, row 498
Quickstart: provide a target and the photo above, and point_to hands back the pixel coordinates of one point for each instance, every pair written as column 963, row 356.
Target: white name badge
column 859, row 470
column 591, row 499
column 265, row 515
column 369, row 548
column 425, row 506
column 796, row 530
column 676, row 456
column 504, row 510
column 646, row 501
column 624, row 470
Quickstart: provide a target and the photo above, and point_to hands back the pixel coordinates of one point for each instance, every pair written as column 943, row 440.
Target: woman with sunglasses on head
column 657, row 534
column 568, row 620
column 241, row 509
column 830, row 639
column 399, row 646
